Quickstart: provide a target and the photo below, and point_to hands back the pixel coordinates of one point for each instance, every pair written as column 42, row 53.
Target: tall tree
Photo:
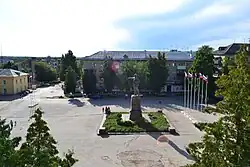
column 89, row 82
column 129, row 68
column 70, row 80
column 158, row 72
column 44, row 72
column 227, row 63
column 109, row 75
column 39, row 149
column 227, row 142
column 10, row 65
column 204, row 63
column 8, row 145
column 68, row 60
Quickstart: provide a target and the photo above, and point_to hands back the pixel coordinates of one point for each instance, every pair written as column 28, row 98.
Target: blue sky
column 51, row 27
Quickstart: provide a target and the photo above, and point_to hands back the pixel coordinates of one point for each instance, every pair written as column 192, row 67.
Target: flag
column 185, row 75
column 205, row 78
column 201, row 76
column 190, row 75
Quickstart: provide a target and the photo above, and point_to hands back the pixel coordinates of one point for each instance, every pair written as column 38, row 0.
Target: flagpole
column 206, row 94
column 185, row 90
column 188, row 92
column 194, row 91
column 191, row 92
column 198, row 103
column 202, row 83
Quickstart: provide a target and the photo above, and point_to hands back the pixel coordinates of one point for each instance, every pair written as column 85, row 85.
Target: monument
column 135, row 113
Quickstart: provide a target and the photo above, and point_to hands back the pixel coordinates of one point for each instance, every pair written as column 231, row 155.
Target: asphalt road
column 74, row 124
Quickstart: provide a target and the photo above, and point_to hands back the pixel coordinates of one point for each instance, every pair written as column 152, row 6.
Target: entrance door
column 169, row 88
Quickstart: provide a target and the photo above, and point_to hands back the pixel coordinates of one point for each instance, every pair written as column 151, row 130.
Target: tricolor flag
column 190, row 75
column 185, row 75
column 201, row 76
column 205, row 78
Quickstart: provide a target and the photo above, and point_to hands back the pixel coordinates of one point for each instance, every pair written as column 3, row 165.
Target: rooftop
column 230, row 49
column 11, row 73
column 141, row 55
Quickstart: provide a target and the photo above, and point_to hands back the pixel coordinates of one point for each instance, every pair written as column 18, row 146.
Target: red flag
column 201, row 76
column 205, row 78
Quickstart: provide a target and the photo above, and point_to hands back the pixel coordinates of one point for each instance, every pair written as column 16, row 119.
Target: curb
column 189, row 117
column 102, row 131
column 31, row 106
column 171, row 128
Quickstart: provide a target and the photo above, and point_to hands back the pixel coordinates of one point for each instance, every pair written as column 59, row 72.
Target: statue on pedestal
column 136, row 83
column 135, row 113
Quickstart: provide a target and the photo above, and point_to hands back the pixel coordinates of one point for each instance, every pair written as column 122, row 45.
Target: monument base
column 135, row 113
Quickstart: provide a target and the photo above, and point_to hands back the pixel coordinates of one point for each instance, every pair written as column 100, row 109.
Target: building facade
column 177, row 62
column 228, row 51
column 12, row 82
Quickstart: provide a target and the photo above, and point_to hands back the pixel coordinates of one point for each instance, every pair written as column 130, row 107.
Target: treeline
column 152, row 73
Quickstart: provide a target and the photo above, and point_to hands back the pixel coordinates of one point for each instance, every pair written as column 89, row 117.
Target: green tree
column 158, row 72
column 44, row 72
column 227, row 63
column 204, row 63
column 109, row 75
column 227, row 142
column 10, row 65
column 68, row 60
column 39, row 149
column 129, row 68
column 8, row 145
column 70, row 80
column 89, row 81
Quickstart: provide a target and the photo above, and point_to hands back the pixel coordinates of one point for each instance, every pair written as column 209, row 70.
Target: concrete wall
column 13, row 85
column 20, row 84
column 8, row 87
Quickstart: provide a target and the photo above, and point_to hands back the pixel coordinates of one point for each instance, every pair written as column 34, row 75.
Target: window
column 16, row 81
column 4, row 82
column 4, row 91
column 20, row 80
column 17, row 90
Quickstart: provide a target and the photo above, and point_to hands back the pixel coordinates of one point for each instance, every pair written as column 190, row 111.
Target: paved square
column 74, row 124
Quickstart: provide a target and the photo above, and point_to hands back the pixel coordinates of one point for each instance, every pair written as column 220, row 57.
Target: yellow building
column 12, row 81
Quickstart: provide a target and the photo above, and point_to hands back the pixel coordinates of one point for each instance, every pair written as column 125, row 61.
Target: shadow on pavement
column 76, row 102
column 12, row 97
column 104, row 136
column 179, row 150
column 168, row 103
column 124, row 103
column 160, row 137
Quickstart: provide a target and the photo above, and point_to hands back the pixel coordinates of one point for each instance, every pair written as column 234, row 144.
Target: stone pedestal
column 135, row 113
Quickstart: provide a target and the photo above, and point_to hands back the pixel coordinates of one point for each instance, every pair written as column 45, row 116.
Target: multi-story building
column 177, row 62
column 12, row 81
column 228, row 51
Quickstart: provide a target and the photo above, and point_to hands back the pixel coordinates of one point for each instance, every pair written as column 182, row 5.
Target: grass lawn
column 114, row 123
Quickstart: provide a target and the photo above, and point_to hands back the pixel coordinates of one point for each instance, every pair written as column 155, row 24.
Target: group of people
column 106, row 110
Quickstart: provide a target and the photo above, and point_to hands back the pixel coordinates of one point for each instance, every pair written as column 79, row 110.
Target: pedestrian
column 102, row 109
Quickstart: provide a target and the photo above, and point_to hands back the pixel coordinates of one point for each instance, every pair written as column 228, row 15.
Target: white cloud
column 51, row 27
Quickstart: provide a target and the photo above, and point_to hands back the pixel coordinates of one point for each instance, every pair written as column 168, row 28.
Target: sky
column 52, row 27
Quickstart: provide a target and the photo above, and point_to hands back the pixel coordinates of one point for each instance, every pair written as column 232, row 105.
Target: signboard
column 181, row 67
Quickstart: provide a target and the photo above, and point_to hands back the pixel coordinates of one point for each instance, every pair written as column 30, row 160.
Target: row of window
column 4, row 81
